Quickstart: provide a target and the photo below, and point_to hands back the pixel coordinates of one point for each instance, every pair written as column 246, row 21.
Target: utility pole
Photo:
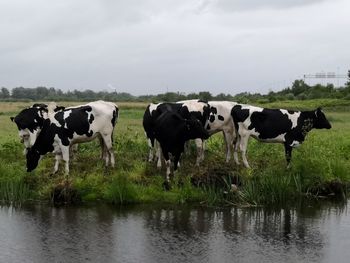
column 323, row 76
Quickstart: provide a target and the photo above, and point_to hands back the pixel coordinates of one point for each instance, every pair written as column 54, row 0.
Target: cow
column 30, row 121
column 220, row 120
column 74, row 125
column 171, row 130
column 274, row 125
column 187, row 109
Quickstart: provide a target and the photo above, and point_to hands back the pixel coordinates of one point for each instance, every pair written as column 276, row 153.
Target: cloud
column 239, row 5
column 152, row 46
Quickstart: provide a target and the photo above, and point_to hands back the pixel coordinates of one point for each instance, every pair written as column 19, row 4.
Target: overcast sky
column 154, row 46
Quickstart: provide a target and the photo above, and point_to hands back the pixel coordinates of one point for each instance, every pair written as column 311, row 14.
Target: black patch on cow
column 59, row 117
column 270, row 123
column 213, row 110
column 212, row 118
column 115, row 116
column 75, row 121
column 221, row 118
column 91, row 119
column 208, row 126
column 290, row 111
column 239, row 114
column 29, row 119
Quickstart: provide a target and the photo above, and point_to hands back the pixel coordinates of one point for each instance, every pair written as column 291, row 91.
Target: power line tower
column 323, row 76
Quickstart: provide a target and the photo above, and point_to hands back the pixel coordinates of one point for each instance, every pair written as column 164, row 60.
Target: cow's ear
column 12, row 118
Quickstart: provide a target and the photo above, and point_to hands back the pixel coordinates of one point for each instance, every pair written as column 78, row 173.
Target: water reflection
column 310, row 233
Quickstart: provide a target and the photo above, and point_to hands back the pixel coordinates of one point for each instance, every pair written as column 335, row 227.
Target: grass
column 319, row 167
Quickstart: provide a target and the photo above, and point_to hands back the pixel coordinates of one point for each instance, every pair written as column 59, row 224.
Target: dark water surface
column 39, row 233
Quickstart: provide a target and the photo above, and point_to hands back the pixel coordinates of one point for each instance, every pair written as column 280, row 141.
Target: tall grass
column 13, row 186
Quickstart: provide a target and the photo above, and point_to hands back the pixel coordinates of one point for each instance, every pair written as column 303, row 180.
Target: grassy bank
column 319, row 167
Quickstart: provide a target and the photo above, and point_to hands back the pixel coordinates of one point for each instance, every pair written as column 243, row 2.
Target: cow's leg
column 236, row 148
column 109, row 146
column 58, row 158
column 166, row 183
column 73, row 149
column 228, row 141
column 151, row 151
column 204, row 145
column 158, row 154
column 199, row 146
column 65, row 157
column 244, row 145
column 288, row 151
column 176, row 162
column 104, row 153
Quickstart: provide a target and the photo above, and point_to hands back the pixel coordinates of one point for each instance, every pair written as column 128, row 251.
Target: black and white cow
column 195, row 109
column 274, row 125
column 30, row 121
column 220, row 120
column 171, row 130
column 74, row 125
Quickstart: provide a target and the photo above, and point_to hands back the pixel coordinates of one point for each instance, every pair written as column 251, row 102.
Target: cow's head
column 33, row 157
column 320, row 120
column 29, row 123
column 195, row 129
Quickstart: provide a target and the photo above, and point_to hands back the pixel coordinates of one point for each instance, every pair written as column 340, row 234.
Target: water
column 39, row 233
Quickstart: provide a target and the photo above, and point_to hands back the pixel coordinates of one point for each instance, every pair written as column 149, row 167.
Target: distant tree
column 4, row 93
column 192, row 96
column 20, row 93
column 298, row 87
column 205, row 95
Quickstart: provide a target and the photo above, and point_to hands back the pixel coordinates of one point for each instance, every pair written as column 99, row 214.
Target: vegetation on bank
column 298, row 90
column 320, row 167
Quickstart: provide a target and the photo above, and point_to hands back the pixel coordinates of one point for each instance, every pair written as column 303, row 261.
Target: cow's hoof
column 166, row 186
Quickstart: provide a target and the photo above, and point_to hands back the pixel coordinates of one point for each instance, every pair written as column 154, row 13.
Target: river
column 313, row 232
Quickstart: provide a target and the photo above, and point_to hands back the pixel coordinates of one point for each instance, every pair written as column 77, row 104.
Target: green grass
column 320, row 166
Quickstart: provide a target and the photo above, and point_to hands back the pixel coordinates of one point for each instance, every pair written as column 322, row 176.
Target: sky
column 151, row 47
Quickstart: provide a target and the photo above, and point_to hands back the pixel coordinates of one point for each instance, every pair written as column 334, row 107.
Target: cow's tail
column 115, row 118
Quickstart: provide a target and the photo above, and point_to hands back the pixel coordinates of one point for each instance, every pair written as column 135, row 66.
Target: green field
column 320, row 167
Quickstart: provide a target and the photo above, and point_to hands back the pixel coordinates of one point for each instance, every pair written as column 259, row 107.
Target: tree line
column 299, row 90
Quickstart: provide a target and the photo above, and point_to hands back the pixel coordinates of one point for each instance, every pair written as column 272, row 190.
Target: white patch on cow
column 293, row 117
column 65, row 116
column 279, row 139
column 295, row 144
column 251, row 108
column 194, row 106
column 223, row 109
column 27, row 137
column 56, row 145
column 153, row 107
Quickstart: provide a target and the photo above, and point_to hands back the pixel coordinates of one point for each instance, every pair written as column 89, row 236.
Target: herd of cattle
column 49, row 128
